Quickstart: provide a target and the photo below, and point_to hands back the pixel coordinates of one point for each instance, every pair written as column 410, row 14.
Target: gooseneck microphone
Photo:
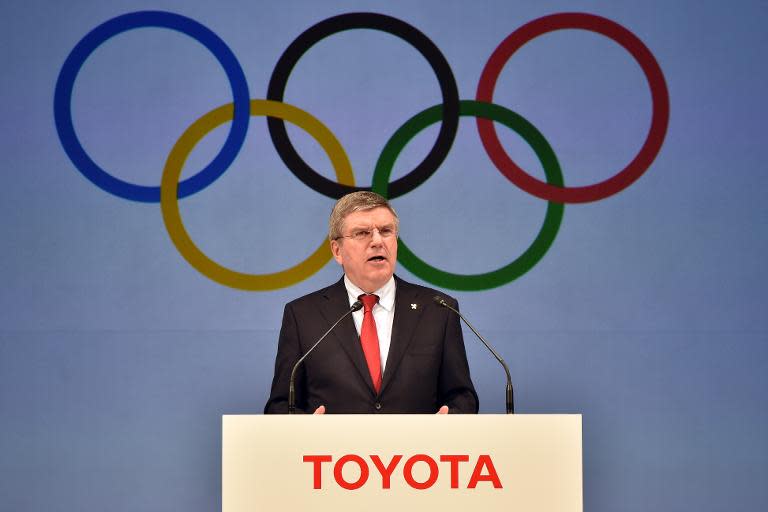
column 510, row 400
column 291, row 387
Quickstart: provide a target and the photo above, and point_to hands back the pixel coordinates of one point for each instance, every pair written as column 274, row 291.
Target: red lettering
column 317, row 460
column 454, row 460
column 484, row 470
column 484, row 461
column 337, row 472
column 408, row 472
column 386, row 472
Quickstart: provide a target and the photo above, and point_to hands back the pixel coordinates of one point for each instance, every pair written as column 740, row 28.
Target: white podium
column 401, row 463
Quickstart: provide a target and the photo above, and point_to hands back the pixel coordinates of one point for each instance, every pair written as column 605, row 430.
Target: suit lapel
column 337, row 302
column 403, row 326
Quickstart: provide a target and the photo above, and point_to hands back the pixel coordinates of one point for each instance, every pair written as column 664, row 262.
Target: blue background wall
column 647, row 314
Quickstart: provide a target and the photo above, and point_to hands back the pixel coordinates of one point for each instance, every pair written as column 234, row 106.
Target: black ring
column 396, row 27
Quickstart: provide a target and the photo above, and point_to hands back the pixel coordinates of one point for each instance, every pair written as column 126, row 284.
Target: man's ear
column 336, row 251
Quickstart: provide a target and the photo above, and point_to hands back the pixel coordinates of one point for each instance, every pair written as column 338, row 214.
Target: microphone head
column 356, row 306
column 439, row 300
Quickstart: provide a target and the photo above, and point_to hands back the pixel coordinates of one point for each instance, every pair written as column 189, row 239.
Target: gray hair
column 355, row 202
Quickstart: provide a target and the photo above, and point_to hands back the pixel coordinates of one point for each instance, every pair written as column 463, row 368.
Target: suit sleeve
column 455, row 386
column 288, row 352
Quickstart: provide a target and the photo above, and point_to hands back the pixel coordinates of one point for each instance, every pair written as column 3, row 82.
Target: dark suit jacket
column 426, row 366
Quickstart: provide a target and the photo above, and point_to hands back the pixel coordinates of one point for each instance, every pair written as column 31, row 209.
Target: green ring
column 548, row 231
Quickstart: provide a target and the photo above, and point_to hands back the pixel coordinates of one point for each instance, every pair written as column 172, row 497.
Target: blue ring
column 62, row 103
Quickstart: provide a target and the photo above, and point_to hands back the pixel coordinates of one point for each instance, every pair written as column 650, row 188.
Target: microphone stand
column 291, row 385
column 509, row 392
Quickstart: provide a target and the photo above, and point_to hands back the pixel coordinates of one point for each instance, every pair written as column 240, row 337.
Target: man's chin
column 377, row 278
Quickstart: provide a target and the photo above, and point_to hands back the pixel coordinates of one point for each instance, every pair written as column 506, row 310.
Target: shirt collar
column 386, row 293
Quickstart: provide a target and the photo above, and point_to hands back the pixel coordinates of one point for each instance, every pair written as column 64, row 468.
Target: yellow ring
column 170, row 206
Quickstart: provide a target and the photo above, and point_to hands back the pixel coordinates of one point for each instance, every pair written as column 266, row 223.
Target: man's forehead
column 378, row 215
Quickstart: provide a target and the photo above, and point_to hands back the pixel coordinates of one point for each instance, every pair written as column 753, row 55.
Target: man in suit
column 402, row 353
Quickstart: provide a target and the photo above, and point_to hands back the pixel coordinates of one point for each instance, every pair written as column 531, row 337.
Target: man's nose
column 376, row 237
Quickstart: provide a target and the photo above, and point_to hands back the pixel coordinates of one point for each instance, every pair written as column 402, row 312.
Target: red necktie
column 369, row 338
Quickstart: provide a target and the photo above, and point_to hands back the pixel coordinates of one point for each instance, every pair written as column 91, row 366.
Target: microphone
column 510, row 401
column 357, row 305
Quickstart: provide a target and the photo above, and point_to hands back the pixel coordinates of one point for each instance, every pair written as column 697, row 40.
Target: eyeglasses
column 364, row 234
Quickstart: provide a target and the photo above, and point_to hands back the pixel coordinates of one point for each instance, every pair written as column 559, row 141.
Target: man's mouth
column 377, row 258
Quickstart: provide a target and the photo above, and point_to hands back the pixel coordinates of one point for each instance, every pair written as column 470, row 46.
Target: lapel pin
column 413, row 306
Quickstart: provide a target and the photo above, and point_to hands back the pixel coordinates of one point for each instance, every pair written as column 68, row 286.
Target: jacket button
column 377, row 406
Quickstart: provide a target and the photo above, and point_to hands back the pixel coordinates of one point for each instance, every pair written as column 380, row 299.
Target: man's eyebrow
column 370, row 226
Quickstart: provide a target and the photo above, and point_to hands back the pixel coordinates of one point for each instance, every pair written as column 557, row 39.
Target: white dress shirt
column 383, row 314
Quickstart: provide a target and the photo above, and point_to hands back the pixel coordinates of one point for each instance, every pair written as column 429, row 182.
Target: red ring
column 659, row 96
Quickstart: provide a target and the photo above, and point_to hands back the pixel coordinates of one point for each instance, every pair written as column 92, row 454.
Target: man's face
column 370, row 261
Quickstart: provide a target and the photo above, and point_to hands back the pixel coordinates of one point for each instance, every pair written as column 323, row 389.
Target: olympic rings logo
column 448, row 112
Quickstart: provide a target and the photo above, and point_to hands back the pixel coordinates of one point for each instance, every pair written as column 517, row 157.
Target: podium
column 401, row 463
